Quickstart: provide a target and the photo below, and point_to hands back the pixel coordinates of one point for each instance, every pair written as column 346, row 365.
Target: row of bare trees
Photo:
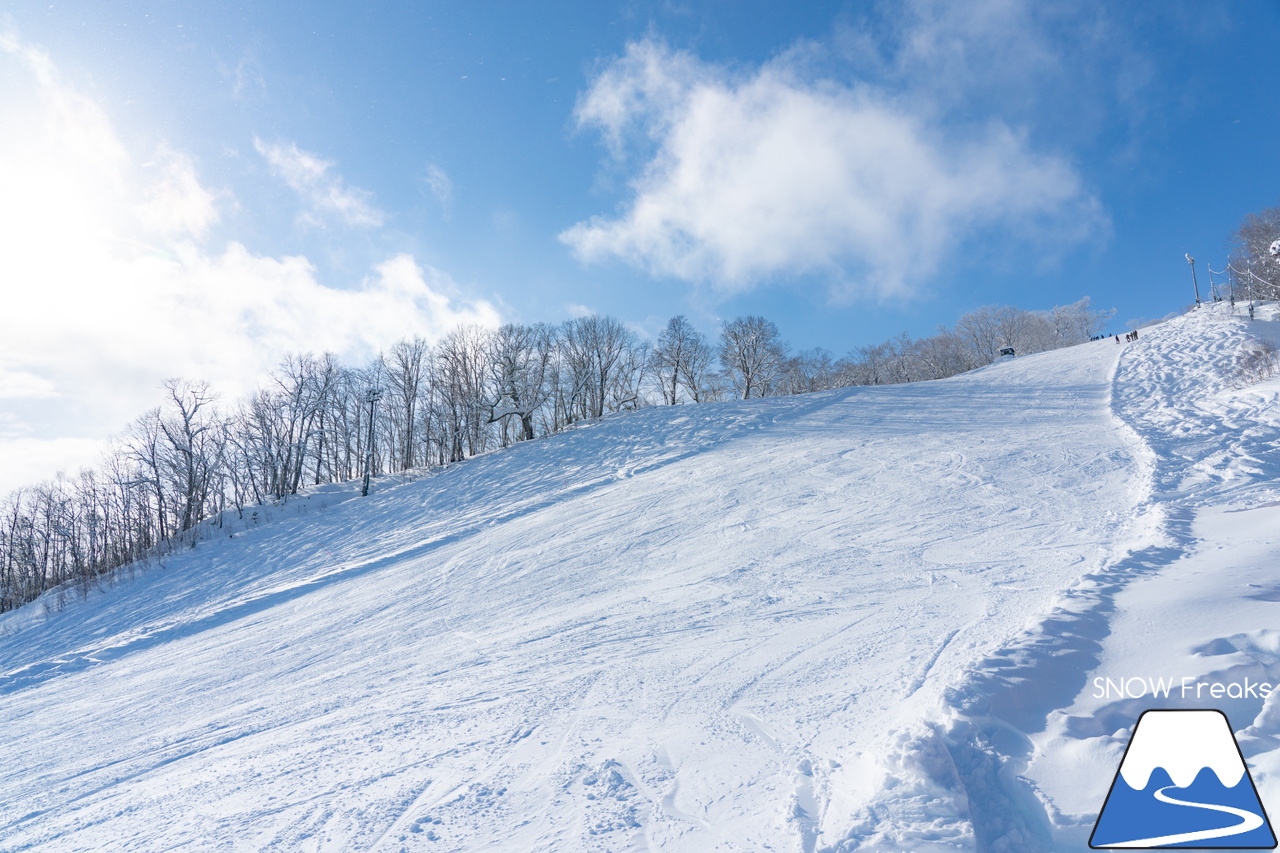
column 192, row 460
column 974, row 341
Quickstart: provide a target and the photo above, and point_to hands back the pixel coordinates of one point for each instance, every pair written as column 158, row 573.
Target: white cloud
column 108, row 288
column 18, row 384
column 325, row 192
column 773, row 173
column 28, row 461
column 175, row 202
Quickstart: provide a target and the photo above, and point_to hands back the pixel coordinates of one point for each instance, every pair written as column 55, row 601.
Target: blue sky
column 195, row 189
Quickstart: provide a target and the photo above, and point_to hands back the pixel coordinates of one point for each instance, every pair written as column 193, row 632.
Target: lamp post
column 372, row 396
column 1194, row 283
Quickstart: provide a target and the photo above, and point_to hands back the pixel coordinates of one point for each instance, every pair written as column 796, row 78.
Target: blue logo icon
column 1183, row 783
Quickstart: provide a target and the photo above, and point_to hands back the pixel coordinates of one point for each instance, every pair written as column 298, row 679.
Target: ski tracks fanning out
column 838, row 622
column 951, row 779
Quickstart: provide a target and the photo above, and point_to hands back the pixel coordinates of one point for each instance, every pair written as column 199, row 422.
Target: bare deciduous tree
column 680, row 360
column 752, row 355
column 521, row 366
column 194, row 453
column 405, row 368
column 603, row 363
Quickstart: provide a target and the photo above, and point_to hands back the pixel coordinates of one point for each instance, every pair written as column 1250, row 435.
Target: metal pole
column 1194, row 283
column 372, row 397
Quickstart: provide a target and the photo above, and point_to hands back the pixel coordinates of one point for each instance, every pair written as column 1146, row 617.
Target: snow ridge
column 975, row 753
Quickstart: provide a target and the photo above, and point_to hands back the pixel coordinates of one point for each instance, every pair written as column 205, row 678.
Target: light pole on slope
column 1194, row 283
column 372, row 396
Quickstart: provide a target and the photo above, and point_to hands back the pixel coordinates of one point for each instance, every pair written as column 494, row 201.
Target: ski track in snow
column 826, row 623
column 1203, row 610
column 1204, row 444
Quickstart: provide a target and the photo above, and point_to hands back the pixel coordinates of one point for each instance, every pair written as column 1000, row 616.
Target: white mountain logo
column 1183, row 783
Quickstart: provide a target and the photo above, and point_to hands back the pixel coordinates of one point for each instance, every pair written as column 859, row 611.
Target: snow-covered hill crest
column 814, row 623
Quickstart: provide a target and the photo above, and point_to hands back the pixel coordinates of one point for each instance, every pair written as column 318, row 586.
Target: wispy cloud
column 326, row 194
column 436, row 181
column 742, row 176
column 1061, row 69
column 247, row 79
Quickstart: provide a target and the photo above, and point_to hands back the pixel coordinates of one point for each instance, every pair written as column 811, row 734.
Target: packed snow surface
column 859, row 620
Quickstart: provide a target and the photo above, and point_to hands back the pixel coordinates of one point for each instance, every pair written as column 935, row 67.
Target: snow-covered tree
column 1078, row 322
column 1258, row 269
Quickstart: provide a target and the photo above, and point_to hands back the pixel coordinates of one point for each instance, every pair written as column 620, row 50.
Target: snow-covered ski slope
column 859, row 620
